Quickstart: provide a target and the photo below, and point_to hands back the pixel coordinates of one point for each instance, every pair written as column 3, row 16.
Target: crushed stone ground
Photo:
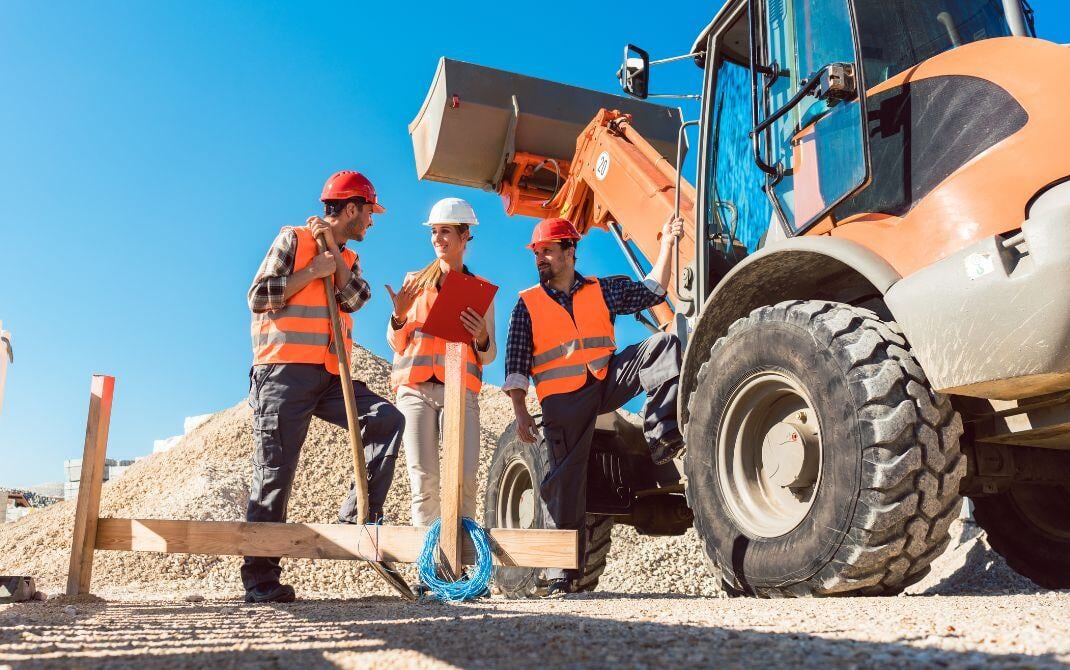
column 596, row 631
column 657, row 602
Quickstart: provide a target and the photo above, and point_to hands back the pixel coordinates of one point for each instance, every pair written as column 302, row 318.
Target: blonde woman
column 418, row 373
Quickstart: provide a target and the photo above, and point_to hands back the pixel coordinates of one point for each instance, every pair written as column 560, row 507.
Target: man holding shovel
column 295, row 372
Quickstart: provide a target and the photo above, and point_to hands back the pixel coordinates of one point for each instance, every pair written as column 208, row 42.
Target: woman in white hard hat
column 418, row 375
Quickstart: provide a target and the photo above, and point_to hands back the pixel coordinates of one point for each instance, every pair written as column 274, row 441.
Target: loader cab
column 786, row 132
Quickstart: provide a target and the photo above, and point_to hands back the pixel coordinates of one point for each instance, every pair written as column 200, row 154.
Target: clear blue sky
column 150, row 152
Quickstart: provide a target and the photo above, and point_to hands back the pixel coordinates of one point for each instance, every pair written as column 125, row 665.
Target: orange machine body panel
column 988, row 195
column 615, row 177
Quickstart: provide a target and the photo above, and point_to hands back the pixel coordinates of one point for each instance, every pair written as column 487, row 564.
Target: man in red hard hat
column 295, row 373
column 561, row 336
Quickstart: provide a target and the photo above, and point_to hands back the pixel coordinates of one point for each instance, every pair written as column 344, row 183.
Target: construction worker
column 295, row 373
column 561, row 335
column 418, row 372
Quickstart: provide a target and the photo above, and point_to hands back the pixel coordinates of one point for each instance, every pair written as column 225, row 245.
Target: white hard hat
column 452, row 211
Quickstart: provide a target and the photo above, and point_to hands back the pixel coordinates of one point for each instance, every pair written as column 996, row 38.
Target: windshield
column 738, row 205
column 898, row 34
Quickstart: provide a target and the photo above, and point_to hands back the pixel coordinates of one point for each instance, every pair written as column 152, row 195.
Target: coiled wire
column 476, row 582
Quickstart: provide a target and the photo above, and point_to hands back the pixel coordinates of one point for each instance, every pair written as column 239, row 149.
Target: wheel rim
column 769, row 454
column 516, row 499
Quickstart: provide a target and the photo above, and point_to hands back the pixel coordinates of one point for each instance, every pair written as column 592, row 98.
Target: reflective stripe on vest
column 567, row 348
column 300, row 332
column 424, row 356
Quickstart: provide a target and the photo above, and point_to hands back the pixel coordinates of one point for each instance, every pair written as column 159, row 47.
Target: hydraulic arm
column 615, row 181
column 549, row 149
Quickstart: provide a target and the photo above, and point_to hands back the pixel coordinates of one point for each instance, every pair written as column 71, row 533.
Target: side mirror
column 634, row 72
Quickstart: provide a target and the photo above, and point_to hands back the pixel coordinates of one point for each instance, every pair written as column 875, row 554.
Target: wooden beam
column 511, row 546
column 80, row 572
column 450, row 540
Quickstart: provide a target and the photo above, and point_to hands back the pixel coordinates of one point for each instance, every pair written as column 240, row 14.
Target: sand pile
column 206, row 477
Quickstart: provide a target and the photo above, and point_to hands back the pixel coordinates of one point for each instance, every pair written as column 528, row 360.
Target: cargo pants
column 568, row 421
column 284, row 398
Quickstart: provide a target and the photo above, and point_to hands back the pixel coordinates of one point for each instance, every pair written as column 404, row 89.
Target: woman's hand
column 477, row 326
column 403, row 299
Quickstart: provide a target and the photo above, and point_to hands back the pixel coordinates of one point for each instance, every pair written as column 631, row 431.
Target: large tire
column 873, row 510
column 1029, row 525
column 512, row 501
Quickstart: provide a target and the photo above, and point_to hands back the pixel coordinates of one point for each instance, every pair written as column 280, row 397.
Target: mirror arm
column 673, row 59
column 688, row 96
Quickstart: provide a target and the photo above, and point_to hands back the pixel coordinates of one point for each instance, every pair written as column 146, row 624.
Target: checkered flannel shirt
column 269, row 286
column 622, row 296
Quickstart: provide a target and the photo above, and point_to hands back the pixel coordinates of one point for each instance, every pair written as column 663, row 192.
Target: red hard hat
column 550, row 230
column 349, row 184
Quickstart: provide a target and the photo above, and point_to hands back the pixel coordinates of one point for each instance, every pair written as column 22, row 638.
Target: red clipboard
column 459, row 291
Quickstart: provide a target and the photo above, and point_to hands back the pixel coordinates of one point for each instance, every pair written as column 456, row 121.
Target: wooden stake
column 85, row 517
column 451, row 540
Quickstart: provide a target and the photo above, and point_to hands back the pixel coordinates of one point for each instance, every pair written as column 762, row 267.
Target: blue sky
column 150, row 152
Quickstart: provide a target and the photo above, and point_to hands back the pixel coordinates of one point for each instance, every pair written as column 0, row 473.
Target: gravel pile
column 206, row 477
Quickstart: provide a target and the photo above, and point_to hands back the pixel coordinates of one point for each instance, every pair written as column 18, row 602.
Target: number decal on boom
column 601, row 166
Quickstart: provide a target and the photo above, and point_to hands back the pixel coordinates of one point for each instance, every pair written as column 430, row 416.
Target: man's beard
column 546, row 274
column 353, row 231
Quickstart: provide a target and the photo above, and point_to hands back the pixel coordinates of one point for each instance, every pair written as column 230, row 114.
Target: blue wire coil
column 476, row 583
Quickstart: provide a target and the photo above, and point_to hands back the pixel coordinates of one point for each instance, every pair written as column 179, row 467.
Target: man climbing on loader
column 295, row 373
column 561, row 335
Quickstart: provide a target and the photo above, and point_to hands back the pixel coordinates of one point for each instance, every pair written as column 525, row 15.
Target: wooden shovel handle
column 356, row 443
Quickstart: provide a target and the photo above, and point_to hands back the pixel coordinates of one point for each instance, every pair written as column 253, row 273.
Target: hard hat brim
column 531, row 245
column 451, row 223
column 378, row 209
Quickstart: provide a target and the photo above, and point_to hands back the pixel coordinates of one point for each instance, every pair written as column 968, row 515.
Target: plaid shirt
column 622, row 296
column 269, row 286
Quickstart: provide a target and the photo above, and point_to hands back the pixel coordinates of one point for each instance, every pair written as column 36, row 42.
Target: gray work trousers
column 284, row 398
column 568, row 419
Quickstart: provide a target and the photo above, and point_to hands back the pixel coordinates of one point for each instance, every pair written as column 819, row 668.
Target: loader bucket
column 469, row 127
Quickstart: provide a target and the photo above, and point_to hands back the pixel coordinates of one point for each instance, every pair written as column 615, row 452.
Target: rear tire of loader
column 512, row 501
column 1029, row 526
column 875, row 486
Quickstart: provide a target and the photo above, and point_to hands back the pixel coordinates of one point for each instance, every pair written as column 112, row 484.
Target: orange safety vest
column 300, row 332
column 425, row 355
column 566, row 348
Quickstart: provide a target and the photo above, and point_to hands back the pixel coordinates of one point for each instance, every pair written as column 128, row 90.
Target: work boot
column 270, row 592
column 666, row 448
column 559, row 588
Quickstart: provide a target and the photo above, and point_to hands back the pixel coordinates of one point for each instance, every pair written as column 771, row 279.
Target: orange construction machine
column 872, row 288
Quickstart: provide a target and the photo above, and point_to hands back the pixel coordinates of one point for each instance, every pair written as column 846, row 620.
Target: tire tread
column 911, row 466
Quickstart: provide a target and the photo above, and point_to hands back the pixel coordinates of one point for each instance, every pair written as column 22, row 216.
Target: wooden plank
column 511, row 546
column 80, row 572
column 450, row 541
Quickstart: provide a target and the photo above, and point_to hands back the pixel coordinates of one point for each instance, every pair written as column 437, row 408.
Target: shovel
column 360, row 469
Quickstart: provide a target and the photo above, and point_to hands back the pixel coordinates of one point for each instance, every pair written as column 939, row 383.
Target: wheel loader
column 872, row 288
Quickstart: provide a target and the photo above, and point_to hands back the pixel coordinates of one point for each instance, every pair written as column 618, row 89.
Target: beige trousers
column 422, row 407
